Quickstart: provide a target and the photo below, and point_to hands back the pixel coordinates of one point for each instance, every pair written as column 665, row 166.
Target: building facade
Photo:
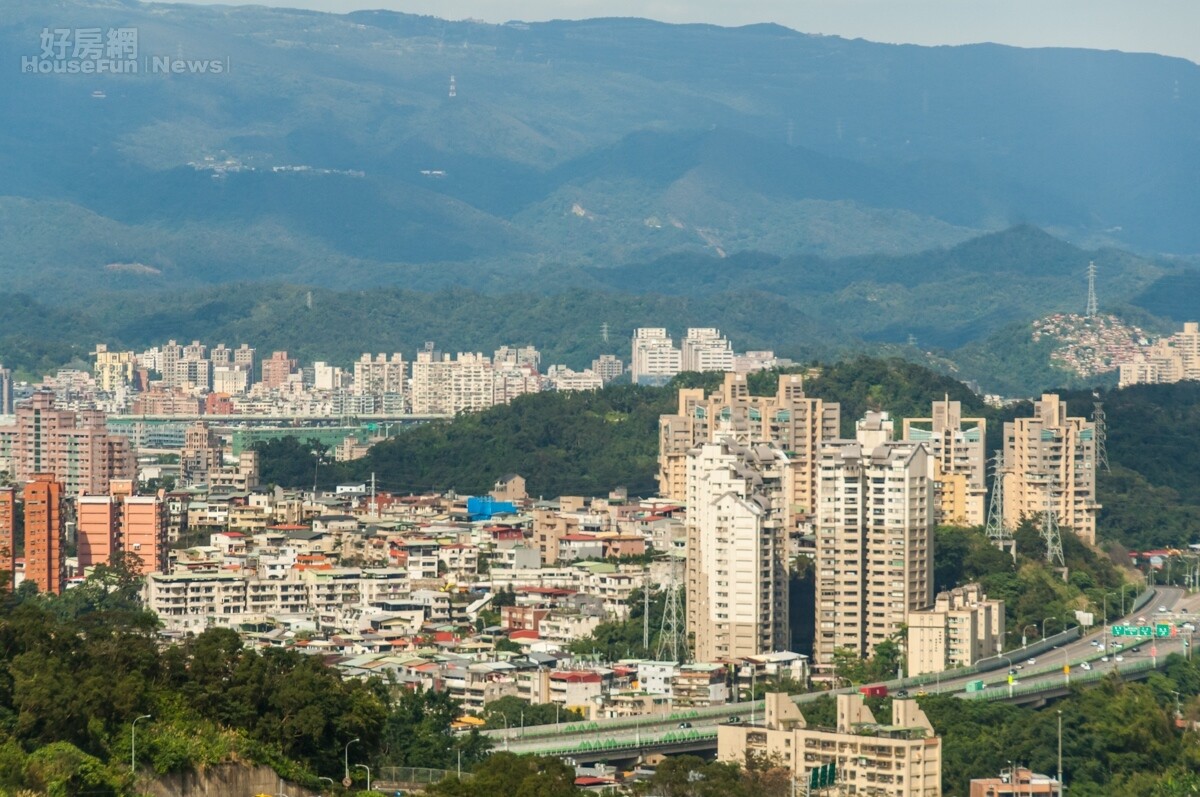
column 45, row 543
column 957, row 445
column 963, row 627
column 74, row 446
column 1050, row 463
column 653, row 359
column 795, row 423
column 705, row 349
column 874, row 539
column 737, row 569
column 900, row 759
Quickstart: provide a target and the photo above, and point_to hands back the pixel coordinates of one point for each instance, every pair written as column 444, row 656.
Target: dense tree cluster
column 76, row 670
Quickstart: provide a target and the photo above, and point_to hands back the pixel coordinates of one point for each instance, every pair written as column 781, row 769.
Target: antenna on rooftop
column 453, row 89
column 604, row 332
column 1092, row 304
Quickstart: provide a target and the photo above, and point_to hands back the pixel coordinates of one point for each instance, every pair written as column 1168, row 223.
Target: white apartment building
column 194, row 601
column 441, row 385
column 608, row 367
column 737, row 582
column 874, row 548
column 704, row 349
column 959, row 461
column 380, row 375
column 654, row 358
column 1172, row 359
column 1050, row 462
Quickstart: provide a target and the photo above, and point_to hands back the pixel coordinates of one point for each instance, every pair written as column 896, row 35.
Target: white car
column 1031, row 662
column 1120, row 658
column 1104, row 658
column 1085, row 666
column 1162, row 609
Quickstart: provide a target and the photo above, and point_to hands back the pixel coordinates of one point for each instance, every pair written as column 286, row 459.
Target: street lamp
column 1044, row 619
column 328, row 779
column 1010, row 674
column 133, row 743
column 346, row 760
column 1024, row 643
column 368, row 769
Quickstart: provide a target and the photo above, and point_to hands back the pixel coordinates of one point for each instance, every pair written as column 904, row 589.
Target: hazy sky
column 1171, row 27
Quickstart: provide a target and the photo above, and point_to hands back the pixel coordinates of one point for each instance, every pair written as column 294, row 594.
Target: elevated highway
column 1034, row 682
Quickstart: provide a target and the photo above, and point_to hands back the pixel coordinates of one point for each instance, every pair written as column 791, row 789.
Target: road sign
column 822, row 777
column 1066, row 669
column 1159, row 630
column 346, row 781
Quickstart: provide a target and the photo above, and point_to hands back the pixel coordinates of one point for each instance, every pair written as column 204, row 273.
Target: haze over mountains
column 612, row 155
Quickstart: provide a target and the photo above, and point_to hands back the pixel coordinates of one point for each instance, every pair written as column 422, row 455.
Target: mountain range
column 807, row 192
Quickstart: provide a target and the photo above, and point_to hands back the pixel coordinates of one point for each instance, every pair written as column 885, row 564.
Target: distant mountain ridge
column 594, row 143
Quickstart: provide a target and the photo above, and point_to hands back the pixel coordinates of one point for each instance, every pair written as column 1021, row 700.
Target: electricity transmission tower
column 1092, row 305
column 1050, row 531
column 996, row 529
column 672, row 636
column 1101, row 425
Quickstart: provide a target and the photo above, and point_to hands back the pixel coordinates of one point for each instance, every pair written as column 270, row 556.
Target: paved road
column 1046, row 671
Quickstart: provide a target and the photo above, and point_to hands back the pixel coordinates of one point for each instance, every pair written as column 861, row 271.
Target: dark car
column 685, row 725
column 735, row 718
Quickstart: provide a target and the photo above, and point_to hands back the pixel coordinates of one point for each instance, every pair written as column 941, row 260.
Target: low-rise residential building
column 963, row 627
column 902, row 758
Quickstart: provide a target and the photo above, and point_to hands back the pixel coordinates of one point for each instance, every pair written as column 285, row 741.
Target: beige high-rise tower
column 795, row 423
column 737, row 574
column 1051, row 459
column 874, row 539
column 959, row 461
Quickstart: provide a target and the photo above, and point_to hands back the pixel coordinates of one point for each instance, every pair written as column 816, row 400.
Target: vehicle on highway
column 1162, row 609
column 1096, row 643
column 902, row 693
column 1120, row 658
column 685, row 725
column 1085, row 666
column 1183, row 610
column 1031, row 662
column 1104, row 658
column 874, row 690
column 1188, row 627
column 735, row 718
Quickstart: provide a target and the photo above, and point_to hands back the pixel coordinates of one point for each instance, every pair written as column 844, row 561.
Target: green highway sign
column 1157, row 630
column 822, row 777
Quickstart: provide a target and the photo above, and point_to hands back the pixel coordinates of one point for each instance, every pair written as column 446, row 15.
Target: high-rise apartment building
column 654, row 360
column 113, row 369
column 608, row 367
column 704, row 349
column 380, row 375
column 201, row 457
column 144, row 531
column 220, row 355
column 959, row 461
column 1050, row 462
column 6, row 391
column 737, row 535
column 963, row 627
column 517, row 357
column 45, row 546
column 277, row 370
column 75, row 446
column 441, row 385
column 797, row 424
column 97, row 529
column 1172, row 359
column 8, row 550
column 874, row 527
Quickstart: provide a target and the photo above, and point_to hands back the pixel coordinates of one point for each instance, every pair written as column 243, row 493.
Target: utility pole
column 1060, row 775
column 646, row 610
